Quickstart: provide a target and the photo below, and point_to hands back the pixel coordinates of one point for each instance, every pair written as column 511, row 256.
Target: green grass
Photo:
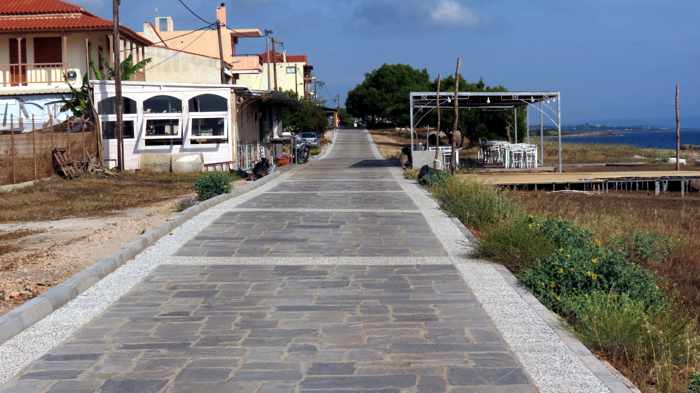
column 613, row 303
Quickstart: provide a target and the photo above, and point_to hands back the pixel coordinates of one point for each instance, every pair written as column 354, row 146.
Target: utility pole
column 453, row 168
column 221, row 51
column 116, row 46
column 678, row 126
column 268, row 34
column 274, row 60
column 439, row 118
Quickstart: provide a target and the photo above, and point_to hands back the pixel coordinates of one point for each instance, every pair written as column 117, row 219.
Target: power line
column 178, row 51
column 162, row 41
column 194, row 13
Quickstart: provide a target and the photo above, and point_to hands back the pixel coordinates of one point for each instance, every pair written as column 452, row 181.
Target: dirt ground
column 35, row 256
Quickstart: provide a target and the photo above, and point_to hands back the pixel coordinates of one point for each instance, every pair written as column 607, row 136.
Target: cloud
column 453, row 13
column 413, row 14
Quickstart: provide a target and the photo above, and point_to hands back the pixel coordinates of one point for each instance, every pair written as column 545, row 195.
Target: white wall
column 168, row 65
column 135, row 148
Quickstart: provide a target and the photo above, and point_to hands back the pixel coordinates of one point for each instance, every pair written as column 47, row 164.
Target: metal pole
column 561, row 162
column 678, row 126
column 454, row 163
column 412, row 129
column 267, row 50
column 12, row 148
column 439, row 119
column 527, row 123
column 34, row 147
column 515, row 120
column 116, row 44
column 541, row 134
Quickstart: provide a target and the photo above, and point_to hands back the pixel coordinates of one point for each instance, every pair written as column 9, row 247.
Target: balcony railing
column 31, row 74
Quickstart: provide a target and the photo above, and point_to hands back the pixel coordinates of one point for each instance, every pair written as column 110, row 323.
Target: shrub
column 694, row 385
column 432, row 177
column 565, row 234
column 570, row 272
column 209, row 185
column 610, row 322
column 518, row 244
column 656, row 344
column 315, row 150
column 475, row 205
column 645, row 248
column 411, row 174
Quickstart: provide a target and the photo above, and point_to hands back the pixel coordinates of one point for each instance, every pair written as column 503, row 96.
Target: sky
column 614, row 61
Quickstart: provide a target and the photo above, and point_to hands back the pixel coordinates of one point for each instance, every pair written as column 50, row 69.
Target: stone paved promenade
column 229, row 312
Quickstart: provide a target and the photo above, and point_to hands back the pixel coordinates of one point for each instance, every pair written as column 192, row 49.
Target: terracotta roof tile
column 24, row 16
column 33, row 7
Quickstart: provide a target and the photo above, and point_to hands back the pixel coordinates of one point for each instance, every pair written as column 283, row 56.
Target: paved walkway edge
column 31, row 312
column 611, row 377
column 555, row 359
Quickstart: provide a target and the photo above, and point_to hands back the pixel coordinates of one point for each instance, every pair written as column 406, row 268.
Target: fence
column 26, row 156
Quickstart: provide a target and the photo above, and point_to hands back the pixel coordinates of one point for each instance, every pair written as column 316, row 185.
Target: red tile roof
column 280, row 58
column 26, row 16
column 33, row 7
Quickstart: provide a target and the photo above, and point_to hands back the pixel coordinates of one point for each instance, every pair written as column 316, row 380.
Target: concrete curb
column 31, row 312
column 328, row 148
column 608, row 375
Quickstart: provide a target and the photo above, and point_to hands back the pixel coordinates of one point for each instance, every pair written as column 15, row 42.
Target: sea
column 660, row 139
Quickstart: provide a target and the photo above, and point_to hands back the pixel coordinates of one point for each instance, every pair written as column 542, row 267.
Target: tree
column 303, row 115
column 382, row 98
column 79, row 101
column 478, row 124
column 127, row 67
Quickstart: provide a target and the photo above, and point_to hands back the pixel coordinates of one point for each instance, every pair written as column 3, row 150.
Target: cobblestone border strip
column 29, row 313
column 304, row 261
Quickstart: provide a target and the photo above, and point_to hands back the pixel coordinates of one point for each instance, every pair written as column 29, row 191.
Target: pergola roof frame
column 425, row 102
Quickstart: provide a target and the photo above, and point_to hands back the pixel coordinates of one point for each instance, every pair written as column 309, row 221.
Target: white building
column 168, row 120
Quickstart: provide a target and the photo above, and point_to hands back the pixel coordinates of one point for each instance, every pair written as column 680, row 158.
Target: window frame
column 177, row 116
column 218, row 115
column 208, row 115
column 126, row 117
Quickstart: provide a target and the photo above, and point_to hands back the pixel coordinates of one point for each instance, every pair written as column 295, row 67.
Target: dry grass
column 58, row 198
column 575, row 153
column 610, row 215
column 391, row 141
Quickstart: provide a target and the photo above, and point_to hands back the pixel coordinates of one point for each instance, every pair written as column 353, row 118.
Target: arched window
column 208, row 103
column 108, row 106
column 162, row 115
column 208, row 119
column 162, row 104
column 108, row 116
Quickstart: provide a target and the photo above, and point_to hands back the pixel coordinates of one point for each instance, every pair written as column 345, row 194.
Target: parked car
column 310, row 138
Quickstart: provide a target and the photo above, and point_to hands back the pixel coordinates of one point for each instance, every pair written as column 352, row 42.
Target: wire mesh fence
column 28, row 155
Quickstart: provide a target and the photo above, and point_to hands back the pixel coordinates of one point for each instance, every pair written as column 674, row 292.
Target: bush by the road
column 614, row 303
column 209, row 185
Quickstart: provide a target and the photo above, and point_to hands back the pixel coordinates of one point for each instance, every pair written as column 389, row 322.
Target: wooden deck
column 510, row 179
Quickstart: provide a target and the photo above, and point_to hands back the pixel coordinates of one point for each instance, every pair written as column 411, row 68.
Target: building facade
column 47, row 45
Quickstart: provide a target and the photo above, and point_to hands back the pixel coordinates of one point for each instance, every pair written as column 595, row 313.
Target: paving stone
column 331, row 369
column 132, row 386
column 264, row 329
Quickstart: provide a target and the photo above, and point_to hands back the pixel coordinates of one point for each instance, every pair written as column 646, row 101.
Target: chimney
column 221, row 14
